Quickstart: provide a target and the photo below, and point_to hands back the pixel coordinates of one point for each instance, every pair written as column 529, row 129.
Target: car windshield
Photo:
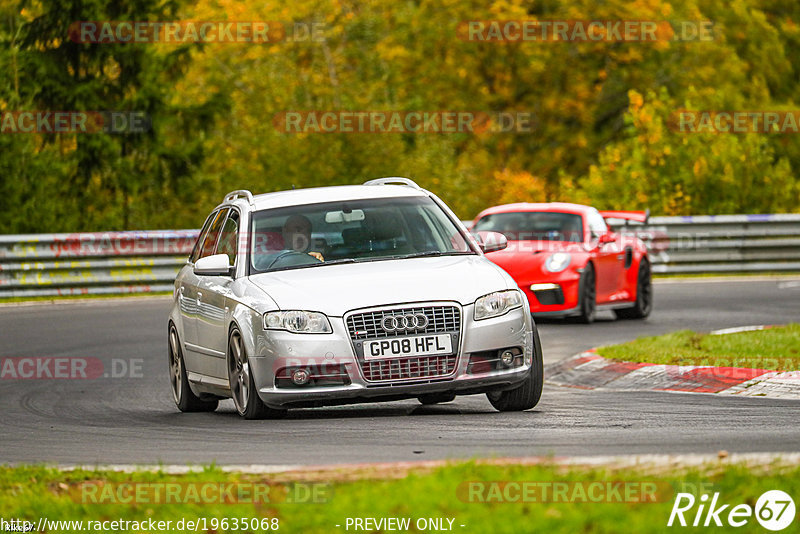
column 534, row 225
column 352, row 231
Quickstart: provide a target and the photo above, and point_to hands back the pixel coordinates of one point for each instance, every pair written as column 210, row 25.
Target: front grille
column 440, row 319
column 368, row 326
column 417, row 367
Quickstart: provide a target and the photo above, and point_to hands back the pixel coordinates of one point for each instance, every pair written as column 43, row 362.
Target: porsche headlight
column 302, row 322
column 557, row 262
column 496, row 304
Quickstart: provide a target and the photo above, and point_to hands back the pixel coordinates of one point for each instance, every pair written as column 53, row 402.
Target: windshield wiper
column 306, row 265
column 426, row 254
column 434, row 253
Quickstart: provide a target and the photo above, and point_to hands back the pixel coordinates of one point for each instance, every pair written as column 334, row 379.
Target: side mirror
column 608, row 237
column 491, row 241
column 216, row 265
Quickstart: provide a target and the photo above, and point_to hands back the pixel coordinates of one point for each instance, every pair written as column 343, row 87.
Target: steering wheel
column 292, row 253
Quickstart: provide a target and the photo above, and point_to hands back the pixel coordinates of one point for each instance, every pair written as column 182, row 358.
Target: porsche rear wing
column 627, row 216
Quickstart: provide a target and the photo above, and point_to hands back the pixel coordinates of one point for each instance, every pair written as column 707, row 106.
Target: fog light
column 300, row 377
column 507, row 358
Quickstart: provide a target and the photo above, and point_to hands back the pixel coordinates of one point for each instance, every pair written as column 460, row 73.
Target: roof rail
column 393, row 180
column 233, row 195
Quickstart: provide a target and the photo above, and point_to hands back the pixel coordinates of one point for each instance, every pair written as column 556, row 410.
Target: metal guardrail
column 143, row 262
column 723, row 243
column 92, row 263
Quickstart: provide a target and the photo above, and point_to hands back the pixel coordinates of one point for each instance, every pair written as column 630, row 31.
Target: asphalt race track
column 132, row 419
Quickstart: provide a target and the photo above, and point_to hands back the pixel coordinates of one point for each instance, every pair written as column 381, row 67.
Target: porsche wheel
column 243, row 390
column 182, row 394
column 588, row 295
column 644, row 295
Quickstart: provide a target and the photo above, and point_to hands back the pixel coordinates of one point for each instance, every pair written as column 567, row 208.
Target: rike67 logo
column 774, row 511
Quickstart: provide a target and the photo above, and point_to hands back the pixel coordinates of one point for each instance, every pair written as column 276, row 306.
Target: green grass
column 31, row 492
column 775, row 349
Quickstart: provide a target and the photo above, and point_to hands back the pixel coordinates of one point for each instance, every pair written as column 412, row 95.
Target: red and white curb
column 589, row 370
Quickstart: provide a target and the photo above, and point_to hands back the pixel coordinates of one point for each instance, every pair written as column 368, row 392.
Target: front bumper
column 278, row 350
column 542, row 301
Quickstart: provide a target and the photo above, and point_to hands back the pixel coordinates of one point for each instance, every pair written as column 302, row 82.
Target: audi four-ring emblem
column 399, row 323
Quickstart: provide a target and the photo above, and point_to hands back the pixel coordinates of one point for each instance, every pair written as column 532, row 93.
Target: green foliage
column 70, row 181
column 602, row 109
column 695, row 173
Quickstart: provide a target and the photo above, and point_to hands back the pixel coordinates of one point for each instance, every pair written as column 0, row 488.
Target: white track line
column 642, row 460
column 737, row 329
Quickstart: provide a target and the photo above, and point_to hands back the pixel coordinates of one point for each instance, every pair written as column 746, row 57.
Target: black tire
column 182, row 393
column 644, row 295
column 436, row 398
column 243, row 389
column 587, row 302
column 528, row 394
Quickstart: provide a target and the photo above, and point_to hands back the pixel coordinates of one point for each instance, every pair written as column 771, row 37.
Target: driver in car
column 297, row 235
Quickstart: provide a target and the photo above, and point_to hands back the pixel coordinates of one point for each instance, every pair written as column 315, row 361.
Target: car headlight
column 495, row 304
column 557, row 262
column 302, row 322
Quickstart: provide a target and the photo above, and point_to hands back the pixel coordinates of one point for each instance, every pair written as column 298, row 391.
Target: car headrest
column 354, row 236
column 386, row 226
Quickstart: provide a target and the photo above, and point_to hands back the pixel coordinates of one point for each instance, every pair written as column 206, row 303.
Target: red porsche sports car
column 569, row 262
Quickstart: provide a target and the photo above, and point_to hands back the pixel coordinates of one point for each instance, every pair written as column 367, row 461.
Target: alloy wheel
column 238, row 372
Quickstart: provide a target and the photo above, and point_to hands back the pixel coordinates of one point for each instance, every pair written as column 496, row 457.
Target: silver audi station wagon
column 334, row 295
